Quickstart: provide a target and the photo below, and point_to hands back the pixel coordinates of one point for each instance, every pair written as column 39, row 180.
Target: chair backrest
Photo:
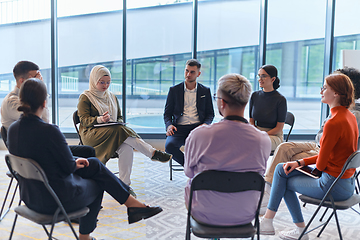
column 76, row 121
column 29, row 169
column 353, row 161
column 26, row 168
column 4, row 135
column 223, row 181
column 227, row 182
column 290, row 120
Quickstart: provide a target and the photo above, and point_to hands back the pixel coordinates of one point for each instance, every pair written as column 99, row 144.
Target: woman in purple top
column 229, row 145
column 268, row 107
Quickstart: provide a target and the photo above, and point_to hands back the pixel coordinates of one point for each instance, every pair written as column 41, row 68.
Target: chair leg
column 325, row 224
column 170, row 164
column 322, row 217
column 338, row 225
column 310, row 221
column 2, row 215
column 13, row 227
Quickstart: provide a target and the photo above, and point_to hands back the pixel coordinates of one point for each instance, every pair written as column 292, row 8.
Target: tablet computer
column 310, row 171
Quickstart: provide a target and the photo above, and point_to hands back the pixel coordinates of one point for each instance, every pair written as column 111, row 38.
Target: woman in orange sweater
column 338, row 142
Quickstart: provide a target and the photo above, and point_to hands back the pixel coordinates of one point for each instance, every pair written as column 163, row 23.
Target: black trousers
column 82, row 151
column 173, row 143
column 97, row 179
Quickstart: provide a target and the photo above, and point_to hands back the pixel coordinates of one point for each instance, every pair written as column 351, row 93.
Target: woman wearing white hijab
column 98, row 105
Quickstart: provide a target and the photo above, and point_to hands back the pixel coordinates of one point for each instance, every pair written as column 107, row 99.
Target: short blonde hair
column 236, row 87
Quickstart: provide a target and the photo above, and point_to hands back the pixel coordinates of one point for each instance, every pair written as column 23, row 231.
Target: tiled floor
column 150, row 180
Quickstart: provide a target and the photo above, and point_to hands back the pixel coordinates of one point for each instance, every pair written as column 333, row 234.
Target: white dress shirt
column 190, row 115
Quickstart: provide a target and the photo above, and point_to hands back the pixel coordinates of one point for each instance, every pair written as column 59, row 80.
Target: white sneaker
column 293, row 234
column 266, row 226
column 265, row 200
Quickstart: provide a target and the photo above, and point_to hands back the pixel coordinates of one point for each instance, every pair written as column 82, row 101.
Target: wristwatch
column 298, row 162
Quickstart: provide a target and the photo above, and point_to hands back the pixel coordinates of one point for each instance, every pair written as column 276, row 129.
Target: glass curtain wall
column 24, row 23
column 228, row 41
column 295, row 45
column 346, row 33
column 88, row 34
column 158, row 45
column 159, row 41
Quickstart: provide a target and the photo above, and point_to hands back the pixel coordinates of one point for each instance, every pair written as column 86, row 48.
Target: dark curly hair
column 354, row 76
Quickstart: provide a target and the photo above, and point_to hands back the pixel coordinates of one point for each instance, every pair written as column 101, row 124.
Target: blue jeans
column 286, row 186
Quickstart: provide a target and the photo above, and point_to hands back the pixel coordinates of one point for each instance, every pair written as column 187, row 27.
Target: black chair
column 31, row 170
column 174, row 167
column 290, row 120
column 352, row 162
column 227, row 182
column 76, row 121
column 8, row 173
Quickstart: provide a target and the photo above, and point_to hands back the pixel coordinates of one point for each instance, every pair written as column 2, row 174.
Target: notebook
column 109, row 124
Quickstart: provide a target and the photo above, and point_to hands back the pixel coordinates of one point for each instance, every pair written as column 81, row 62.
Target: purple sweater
column 227, row 146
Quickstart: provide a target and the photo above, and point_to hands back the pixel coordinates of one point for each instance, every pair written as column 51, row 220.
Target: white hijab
column 103, row 101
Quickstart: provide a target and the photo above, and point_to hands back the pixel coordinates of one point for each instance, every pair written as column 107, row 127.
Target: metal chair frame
column 8, row 173
column 226, row 182
column 29, row 169
column 353, row 161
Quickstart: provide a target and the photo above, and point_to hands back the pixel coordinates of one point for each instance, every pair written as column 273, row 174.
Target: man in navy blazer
column 188, row 105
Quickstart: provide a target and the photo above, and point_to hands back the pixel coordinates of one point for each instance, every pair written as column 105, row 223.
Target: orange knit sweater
column 338, row 142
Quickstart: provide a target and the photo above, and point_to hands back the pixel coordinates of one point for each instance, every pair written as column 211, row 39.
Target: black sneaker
column 161, row 156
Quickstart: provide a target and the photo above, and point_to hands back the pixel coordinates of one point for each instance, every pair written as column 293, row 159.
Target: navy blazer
column 174, row 107
column 31, row 137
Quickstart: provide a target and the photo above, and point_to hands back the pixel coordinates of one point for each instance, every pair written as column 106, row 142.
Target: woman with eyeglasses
column 338, row 142
column 268, row 107
column 97, row 106
column 78, row 182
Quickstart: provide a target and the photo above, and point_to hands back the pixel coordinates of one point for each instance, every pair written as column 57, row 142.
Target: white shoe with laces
column 266, row 226
column 293, row 234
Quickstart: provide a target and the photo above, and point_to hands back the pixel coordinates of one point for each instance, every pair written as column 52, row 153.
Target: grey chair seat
column 341, row 205
column 45, row 219
column 214, row 231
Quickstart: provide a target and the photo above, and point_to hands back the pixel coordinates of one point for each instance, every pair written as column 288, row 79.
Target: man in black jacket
column 188, row 105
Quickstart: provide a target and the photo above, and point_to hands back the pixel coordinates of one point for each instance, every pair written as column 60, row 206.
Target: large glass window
column 159, row 40
column 86, row 37
column 347, row 35
column 295, row 45
column 228, row 40
column 25, row 35
column 158, row 45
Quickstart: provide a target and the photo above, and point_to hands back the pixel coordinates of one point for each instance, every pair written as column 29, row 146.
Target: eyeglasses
column 103, row 83
column 263, row 76
column 323, row 88
column 216, row 98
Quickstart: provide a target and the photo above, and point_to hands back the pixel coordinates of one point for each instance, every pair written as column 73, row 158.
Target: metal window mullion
column 54, row 63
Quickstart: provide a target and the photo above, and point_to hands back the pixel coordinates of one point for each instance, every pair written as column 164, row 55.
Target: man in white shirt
column 22, row 71
column 188, row 105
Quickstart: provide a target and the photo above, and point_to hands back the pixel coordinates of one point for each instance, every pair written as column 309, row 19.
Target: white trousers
column 126, row 156
column 290, row 151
